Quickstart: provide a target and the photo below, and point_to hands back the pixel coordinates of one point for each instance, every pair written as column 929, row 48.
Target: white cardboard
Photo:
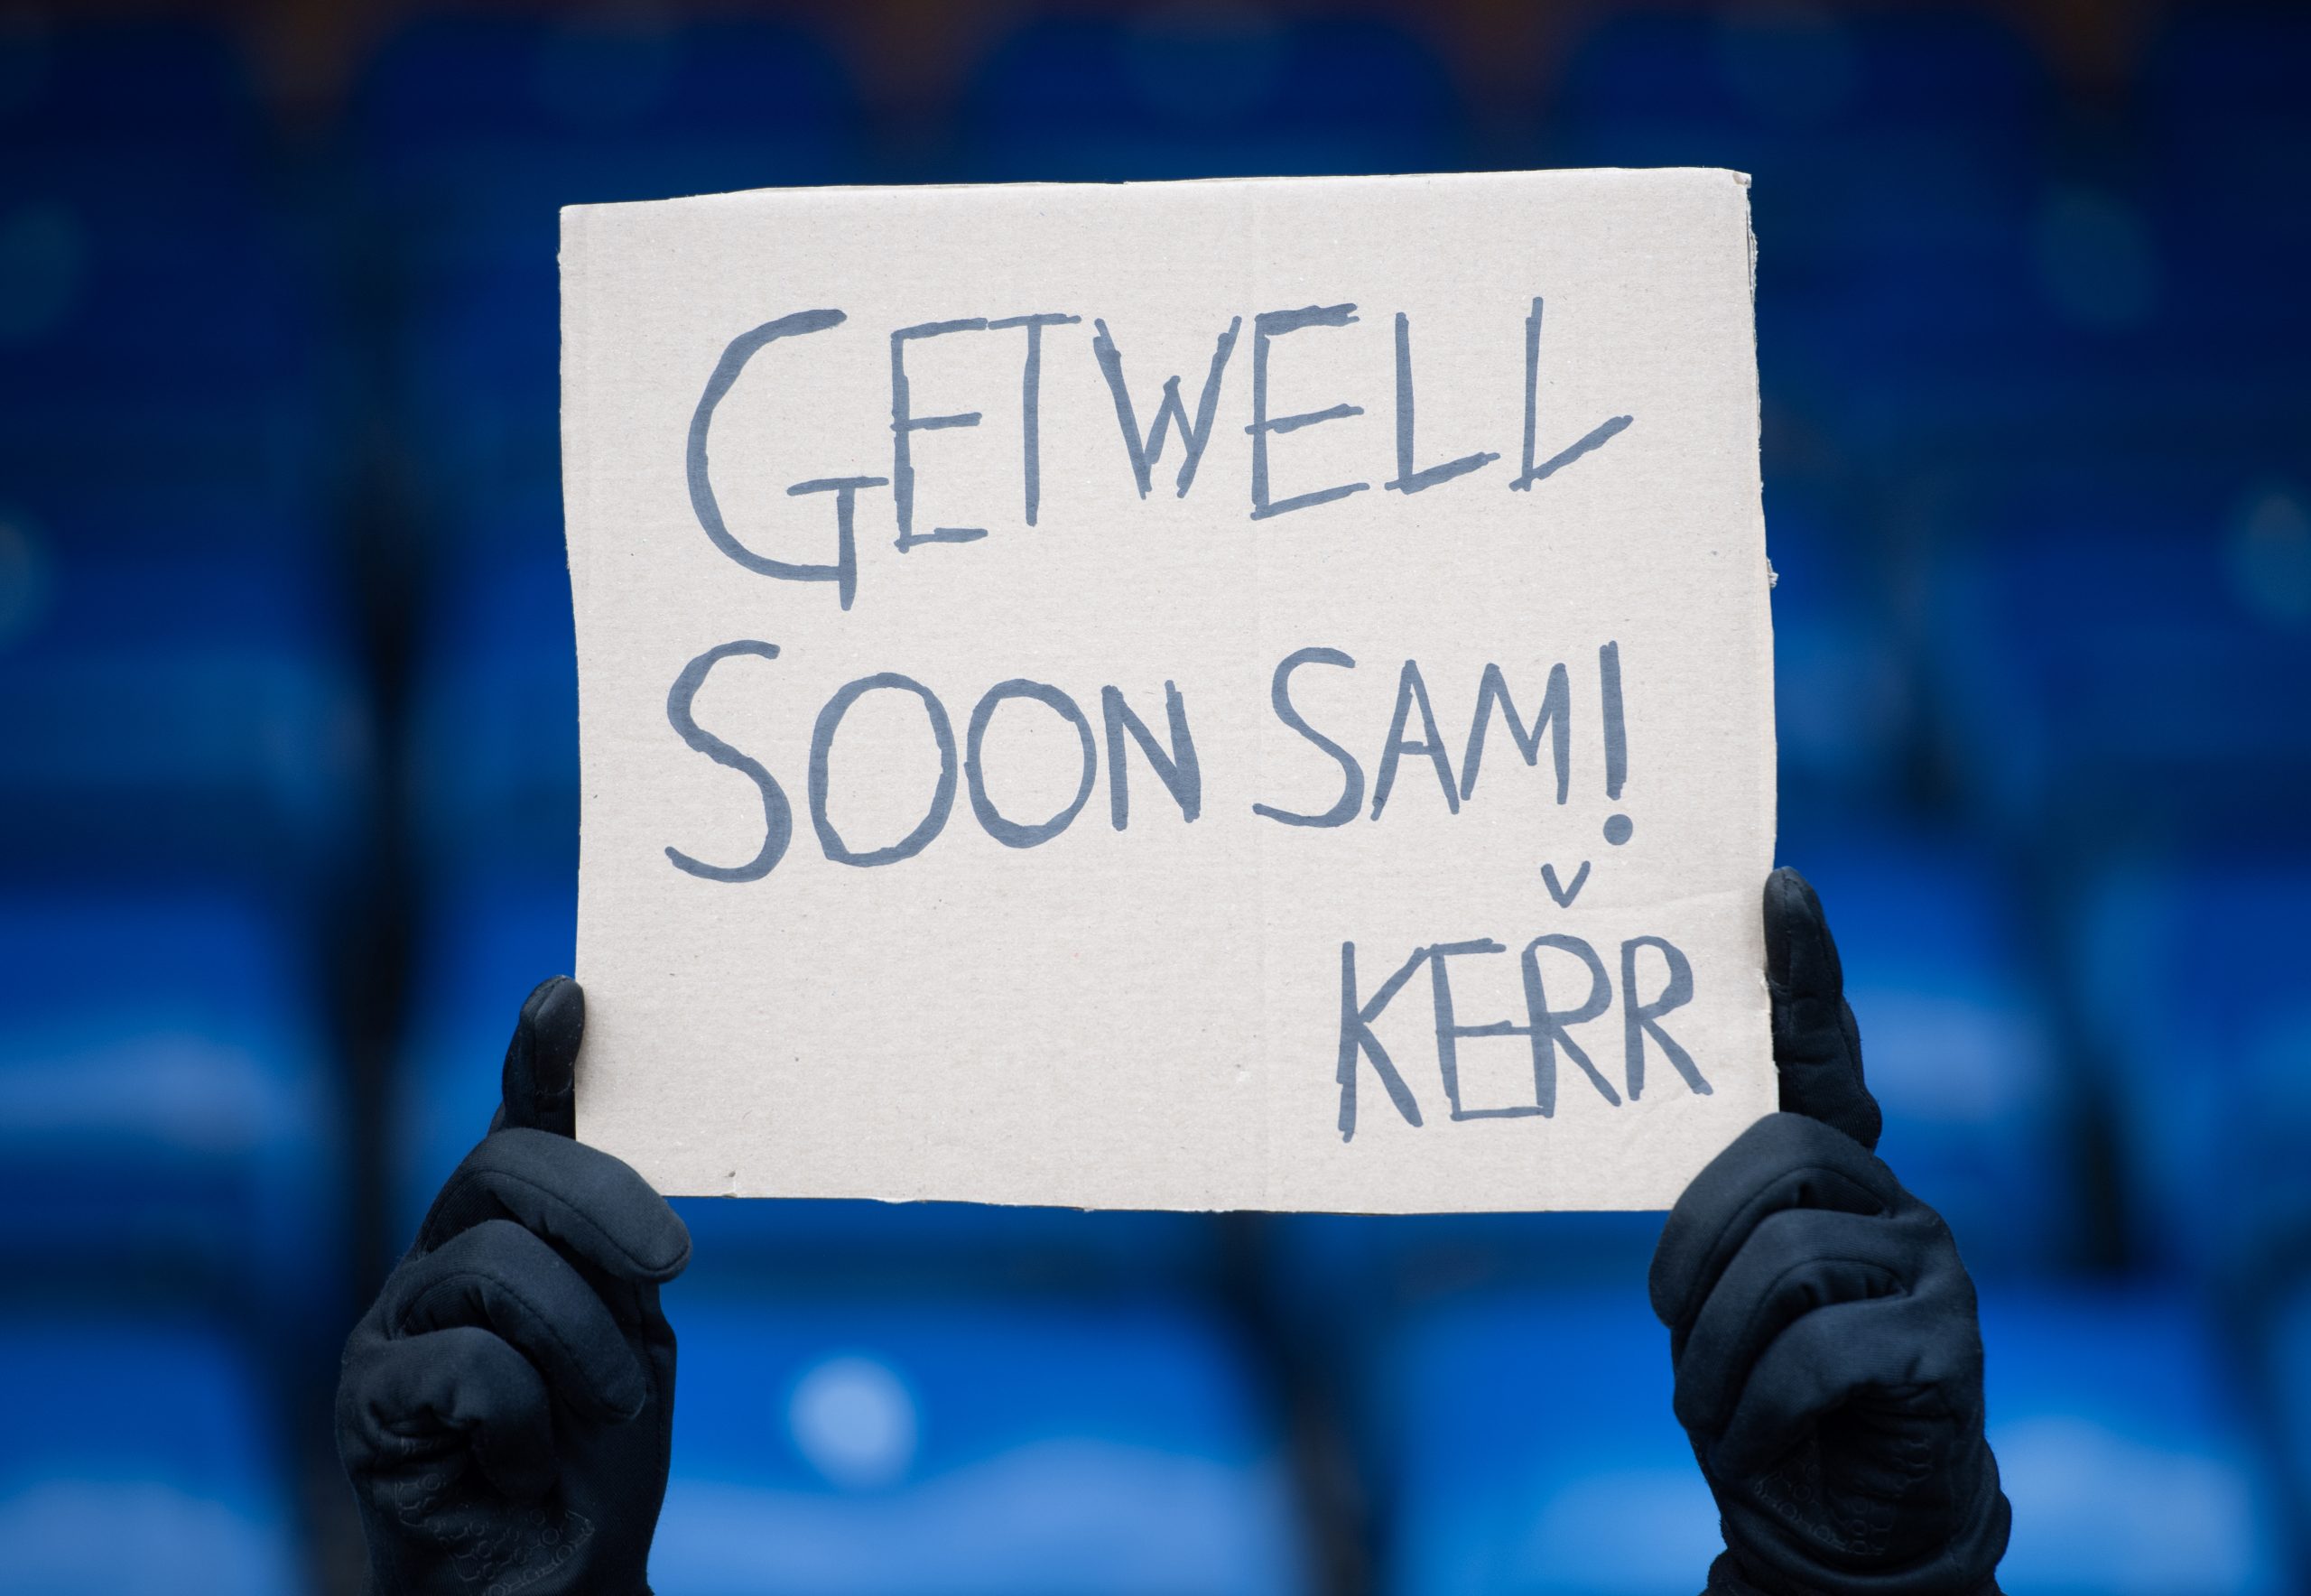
column 1152, row 1017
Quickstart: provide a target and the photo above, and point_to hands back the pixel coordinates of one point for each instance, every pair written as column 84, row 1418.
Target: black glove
column 505, row 1407
column 1829, row 1363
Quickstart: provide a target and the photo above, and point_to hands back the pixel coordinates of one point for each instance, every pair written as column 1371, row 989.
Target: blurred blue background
column 288, row 783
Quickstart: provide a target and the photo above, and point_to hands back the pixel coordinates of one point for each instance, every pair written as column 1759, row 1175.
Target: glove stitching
column 1863, row 1526
column 479, row 1553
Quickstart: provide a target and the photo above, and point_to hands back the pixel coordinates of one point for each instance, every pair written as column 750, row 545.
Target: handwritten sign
column 1246, row 694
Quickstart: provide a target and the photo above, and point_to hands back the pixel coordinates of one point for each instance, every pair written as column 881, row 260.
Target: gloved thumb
column 540, row 1060
column 1816, row 1046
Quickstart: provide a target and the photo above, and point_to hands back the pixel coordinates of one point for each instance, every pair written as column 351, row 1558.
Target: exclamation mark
column 1617, row 827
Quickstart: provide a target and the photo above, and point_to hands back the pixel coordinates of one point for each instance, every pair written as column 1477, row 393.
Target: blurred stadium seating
column 933, row 1440
column 2144, row 694
column 168, row 1107
column 2201, row 1020
column 140, row 1461
column 1529, row 1446
column 289, row 807
column 1215, row 92
column 161, row 306
column 470, row 132
column 2128, row 1462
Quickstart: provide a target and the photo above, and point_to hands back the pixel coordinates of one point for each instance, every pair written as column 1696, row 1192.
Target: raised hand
column 505, row 1407
column 1828, row 1359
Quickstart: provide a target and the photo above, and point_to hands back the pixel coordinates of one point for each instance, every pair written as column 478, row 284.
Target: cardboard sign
column 1241, row 694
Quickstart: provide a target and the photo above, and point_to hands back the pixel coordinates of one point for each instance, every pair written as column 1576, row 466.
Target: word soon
column 1172, row 759
column 1175, row 767
column 1547, row 1030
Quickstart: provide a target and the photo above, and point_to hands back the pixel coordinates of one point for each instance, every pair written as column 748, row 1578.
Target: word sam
column 1547, row 1031
column 1141, row 448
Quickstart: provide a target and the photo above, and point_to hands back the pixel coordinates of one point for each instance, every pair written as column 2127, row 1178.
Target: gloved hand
column 505, row 1408
column 1829, row 1362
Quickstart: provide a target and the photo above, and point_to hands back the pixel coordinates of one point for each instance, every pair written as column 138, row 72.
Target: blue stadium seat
column 1525, row 1444
column 484, row 938
column 1340, row 1283
column 939, row 1445
column 1931, row 280
column 2227, row 130
column 2124, row 638
column 2279, row 1320
column 2123, row 1448
column 157, row 313
column 476, row 369
column 177, row 687
column 2051, row 351
column 1530, row 1448
column 1959, row 1036
column 138, row 1460
column 116, row 291
column 493, row 741
column 143, row 335
column 168, row 1110
column 147, row 91
column 473, row 131
column 2189, row 977
column 1907, row 225
column 1846, row 716
column 1207, row 94
column 489, row 934
column 2223, row 95
column 462, row 113
column 1866, row 134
